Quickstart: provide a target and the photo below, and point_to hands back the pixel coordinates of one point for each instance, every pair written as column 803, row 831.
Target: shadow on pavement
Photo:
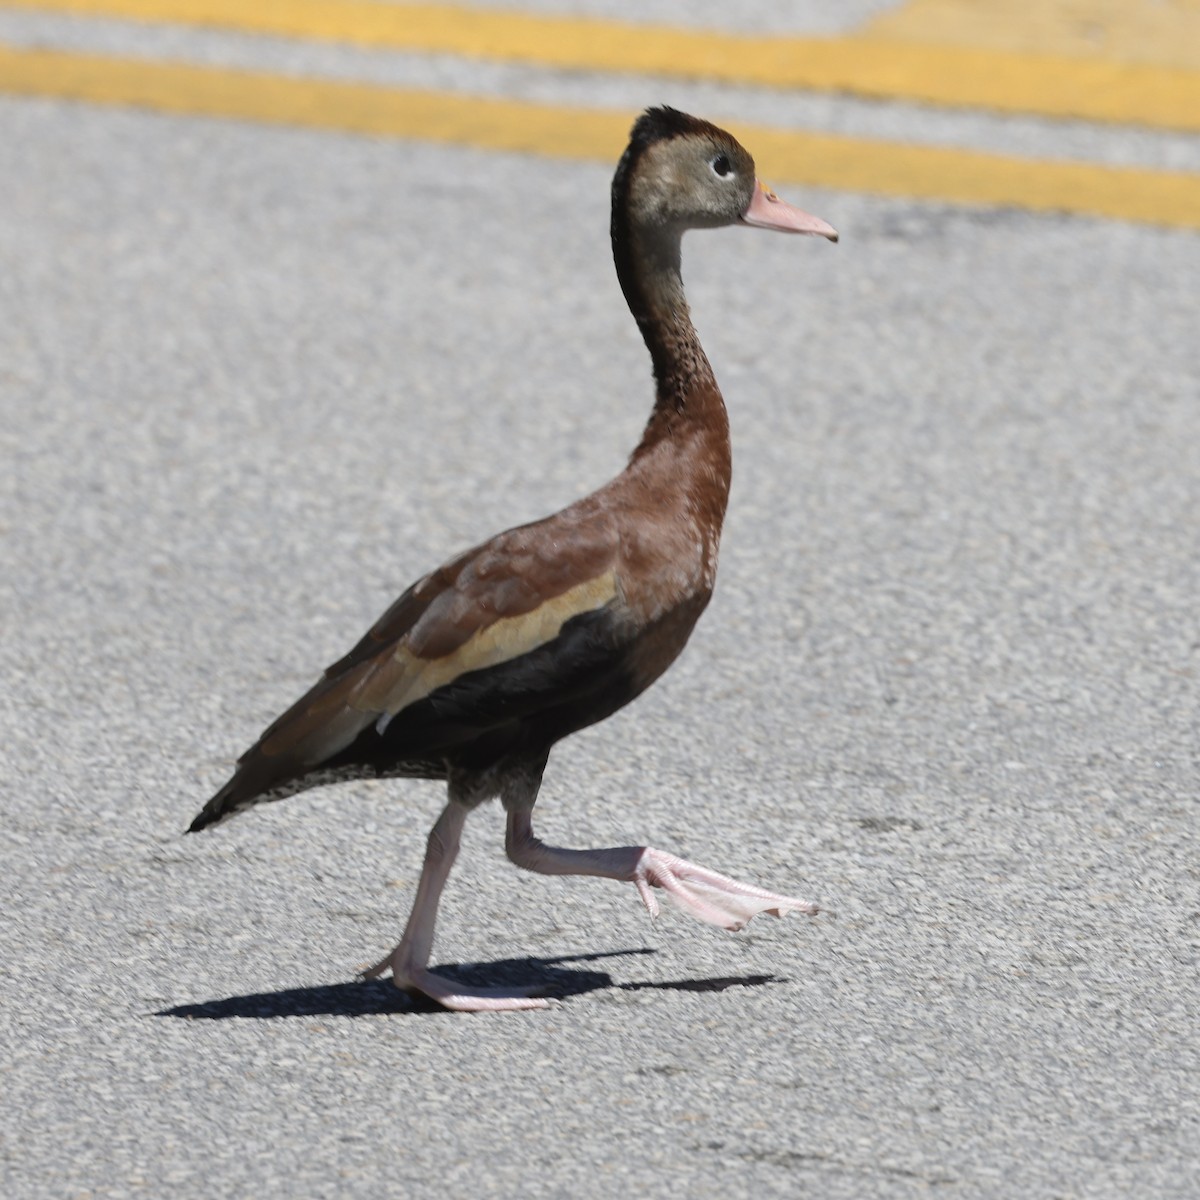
column 361, row 998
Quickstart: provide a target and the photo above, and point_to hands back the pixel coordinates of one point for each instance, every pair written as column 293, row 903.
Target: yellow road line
column 1134, row 31
column 1045, row 84
column 935, row 173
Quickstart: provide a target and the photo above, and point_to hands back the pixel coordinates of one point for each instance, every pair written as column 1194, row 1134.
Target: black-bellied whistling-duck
column 479, row 668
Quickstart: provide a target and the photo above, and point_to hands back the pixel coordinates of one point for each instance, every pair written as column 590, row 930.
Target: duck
column 482, row 666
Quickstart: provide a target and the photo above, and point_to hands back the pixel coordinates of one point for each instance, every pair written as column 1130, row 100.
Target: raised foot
column 707, row 895
column 449, row 993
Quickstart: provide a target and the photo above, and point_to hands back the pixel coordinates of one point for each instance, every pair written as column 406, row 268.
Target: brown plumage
column 480, row 667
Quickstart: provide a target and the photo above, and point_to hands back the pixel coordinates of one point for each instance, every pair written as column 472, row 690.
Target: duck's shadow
column 363, row 998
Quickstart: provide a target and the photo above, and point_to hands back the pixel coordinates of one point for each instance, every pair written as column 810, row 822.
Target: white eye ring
column 721, row 167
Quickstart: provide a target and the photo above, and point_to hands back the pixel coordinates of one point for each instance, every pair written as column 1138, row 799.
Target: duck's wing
column 504, row 601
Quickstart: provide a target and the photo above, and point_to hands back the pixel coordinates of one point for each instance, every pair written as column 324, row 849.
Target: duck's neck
column 685, row 446
column 687, row 397
column 647, row 262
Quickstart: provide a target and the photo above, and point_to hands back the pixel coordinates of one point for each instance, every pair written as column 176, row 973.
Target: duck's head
column 679, row 173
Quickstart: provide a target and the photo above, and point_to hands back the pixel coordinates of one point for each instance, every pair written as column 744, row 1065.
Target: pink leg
column 409, row 962
column 708, row 896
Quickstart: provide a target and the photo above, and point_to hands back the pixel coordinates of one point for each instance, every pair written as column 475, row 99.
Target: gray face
column 695, row 181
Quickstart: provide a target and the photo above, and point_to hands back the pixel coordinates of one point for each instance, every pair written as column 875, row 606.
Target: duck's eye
column 720, row 166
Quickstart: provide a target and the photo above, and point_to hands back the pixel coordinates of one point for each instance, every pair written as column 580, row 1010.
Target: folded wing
column 520, row 625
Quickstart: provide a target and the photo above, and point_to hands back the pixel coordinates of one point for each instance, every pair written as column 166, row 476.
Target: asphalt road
column 255, row 380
